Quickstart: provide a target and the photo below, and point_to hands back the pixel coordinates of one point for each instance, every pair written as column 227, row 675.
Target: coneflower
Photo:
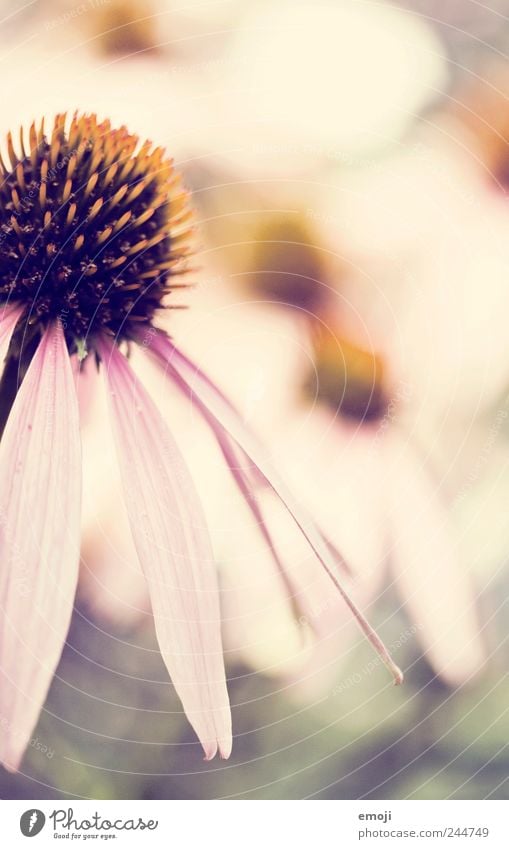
column 367, row 422
column 94, row 235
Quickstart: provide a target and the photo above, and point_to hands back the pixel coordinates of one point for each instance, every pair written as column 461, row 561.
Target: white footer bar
column 256, row 824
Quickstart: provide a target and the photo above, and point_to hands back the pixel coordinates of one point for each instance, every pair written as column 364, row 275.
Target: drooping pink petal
column 270, row 612
column 172, row 541
column 248, row 476
column 331, row 463
column 223, row 417
column 235, row 461
column 111, row 583
column 251, row 484
column 9, row 317
column 432, row 582
column 40, row 491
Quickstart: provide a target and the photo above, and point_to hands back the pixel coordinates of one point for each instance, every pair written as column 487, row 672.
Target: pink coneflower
column 94, row 232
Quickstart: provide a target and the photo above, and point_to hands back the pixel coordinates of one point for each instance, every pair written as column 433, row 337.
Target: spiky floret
column 93, row 229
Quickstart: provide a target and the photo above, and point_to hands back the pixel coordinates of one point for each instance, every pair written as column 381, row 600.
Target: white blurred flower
column 425, row 237
column 309, row 82
column 429, row 257
column 378, row 498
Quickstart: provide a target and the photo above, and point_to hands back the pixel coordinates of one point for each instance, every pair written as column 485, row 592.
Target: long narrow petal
column 250, row 485
column 432, row 581
column 171, row 538
column 40, row 491
column 208, row 398
column 236, row 464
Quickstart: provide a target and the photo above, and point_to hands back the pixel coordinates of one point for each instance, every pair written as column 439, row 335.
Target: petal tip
column 210, row 750
column 225, row 748
column 398, row 676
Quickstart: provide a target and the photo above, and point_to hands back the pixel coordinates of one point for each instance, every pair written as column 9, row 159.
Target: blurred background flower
column 349, row 166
